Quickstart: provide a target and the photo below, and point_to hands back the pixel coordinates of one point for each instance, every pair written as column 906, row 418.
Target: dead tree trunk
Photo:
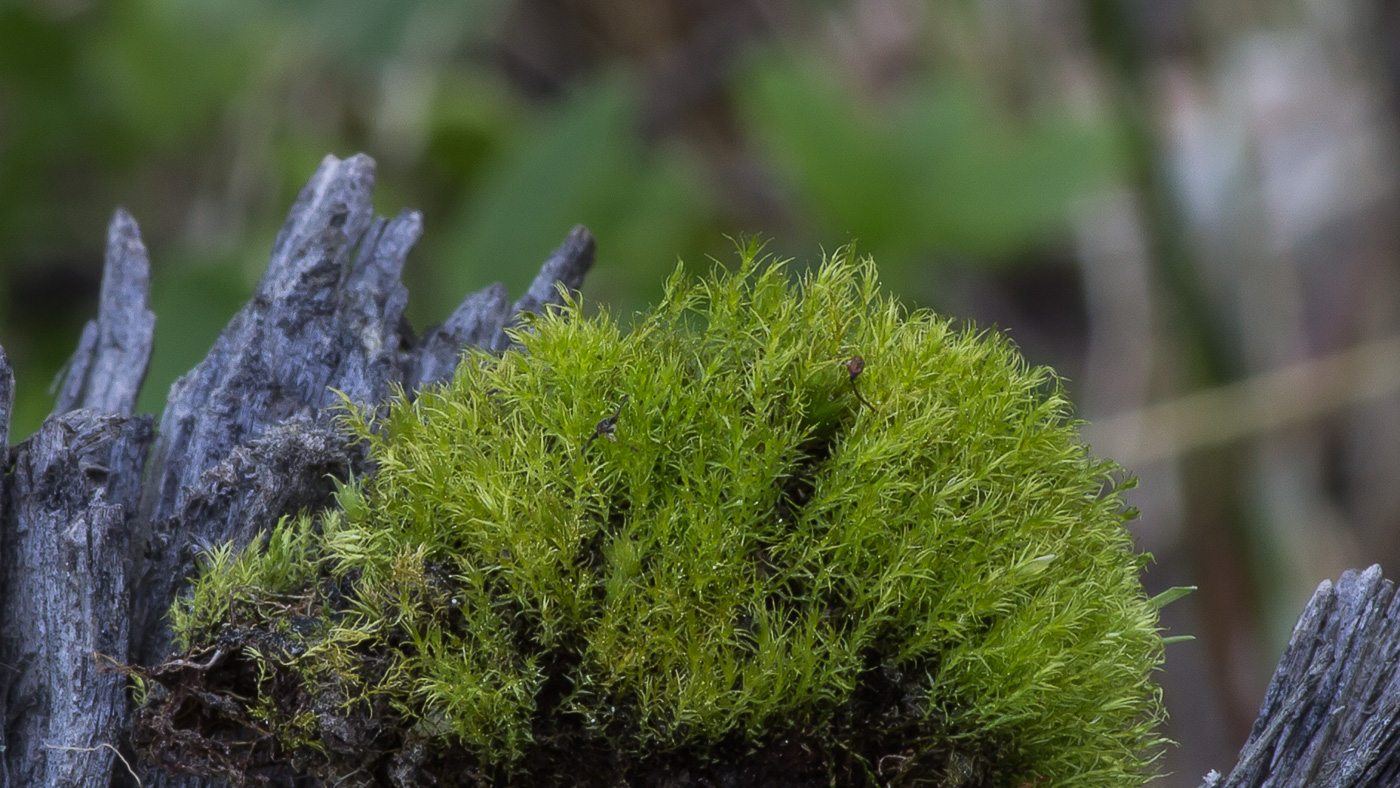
column 102, row 516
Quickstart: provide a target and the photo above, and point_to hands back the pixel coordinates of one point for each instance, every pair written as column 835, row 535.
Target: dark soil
column 199, row 723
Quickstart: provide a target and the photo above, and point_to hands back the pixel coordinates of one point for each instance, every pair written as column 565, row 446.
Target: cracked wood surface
column 102, row 515
column 1331, row 715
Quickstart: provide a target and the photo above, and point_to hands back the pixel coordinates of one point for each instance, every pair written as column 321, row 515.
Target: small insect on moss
column 607, row 428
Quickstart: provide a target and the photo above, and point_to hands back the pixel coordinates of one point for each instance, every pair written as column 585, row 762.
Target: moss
column 712, row 544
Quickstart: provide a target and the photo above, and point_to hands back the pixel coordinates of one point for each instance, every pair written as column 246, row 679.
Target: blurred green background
column 1156, row 198
column 663, row 128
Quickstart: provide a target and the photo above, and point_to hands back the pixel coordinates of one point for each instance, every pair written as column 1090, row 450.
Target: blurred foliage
column 582, row 164
column 934, row 170
column 205, row 119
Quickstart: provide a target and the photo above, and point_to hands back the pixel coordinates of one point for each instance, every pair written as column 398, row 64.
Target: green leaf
column 1169, row 596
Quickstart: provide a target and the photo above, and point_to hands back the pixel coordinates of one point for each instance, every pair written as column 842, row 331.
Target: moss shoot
column 780, row 531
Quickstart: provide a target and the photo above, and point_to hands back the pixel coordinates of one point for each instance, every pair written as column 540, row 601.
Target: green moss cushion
column 774, row 523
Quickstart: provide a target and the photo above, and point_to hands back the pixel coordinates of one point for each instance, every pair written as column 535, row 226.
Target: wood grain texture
column 1331, row 715
column 102, row 517
column 66, row 556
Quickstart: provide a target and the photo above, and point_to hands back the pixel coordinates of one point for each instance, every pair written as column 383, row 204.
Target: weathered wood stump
column 103, row 515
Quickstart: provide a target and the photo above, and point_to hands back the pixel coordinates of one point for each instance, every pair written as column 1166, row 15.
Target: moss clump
column 693, row 550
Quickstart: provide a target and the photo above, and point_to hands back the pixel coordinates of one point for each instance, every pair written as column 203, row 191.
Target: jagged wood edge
column 114, row 351
column 245, row 438
column 66, row 546
column 1331, row 714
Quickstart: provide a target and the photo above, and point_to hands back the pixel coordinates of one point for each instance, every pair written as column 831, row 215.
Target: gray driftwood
column 102, row 516
column 1331, row 715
